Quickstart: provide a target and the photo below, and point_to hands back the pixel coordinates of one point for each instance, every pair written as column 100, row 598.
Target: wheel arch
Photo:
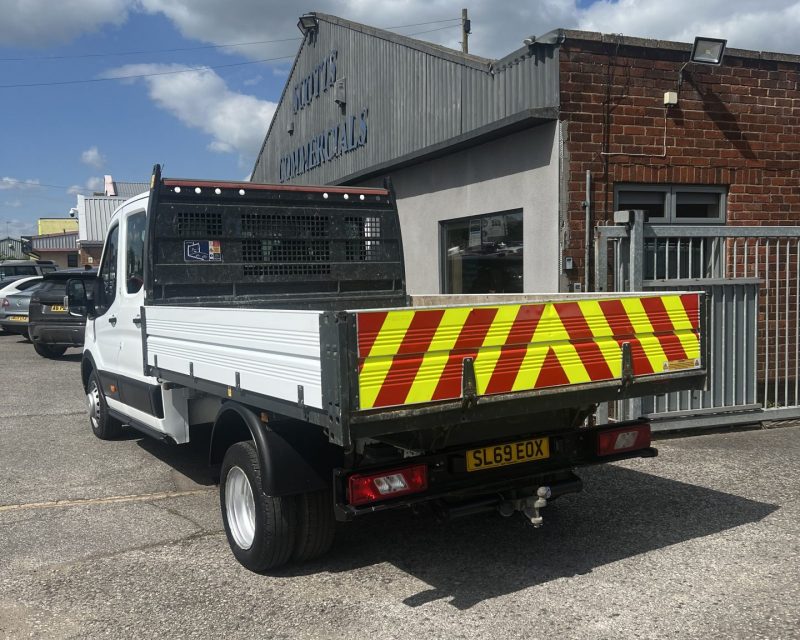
column 87, row 366
column 289, row 464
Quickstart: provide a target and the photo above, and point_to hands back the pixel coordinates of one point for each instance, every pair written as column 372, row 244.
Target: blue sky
column 61, row 139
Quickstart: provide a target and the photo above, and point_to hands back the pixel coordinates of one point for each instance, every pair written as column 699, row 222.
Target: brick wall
column 736, row 125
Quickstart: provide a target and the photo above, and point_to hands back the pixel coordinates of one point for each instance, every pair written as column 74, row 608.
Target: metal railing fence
column 751, row 276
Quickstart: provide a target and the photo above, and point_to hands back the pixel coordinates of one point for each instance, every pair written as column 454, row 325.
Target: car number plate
column 57, row 308
column 501, row 455
column 18, row 318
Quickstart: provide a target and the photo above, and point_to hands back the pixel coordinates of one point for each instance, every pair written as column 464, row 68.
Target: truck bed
column 364, row 372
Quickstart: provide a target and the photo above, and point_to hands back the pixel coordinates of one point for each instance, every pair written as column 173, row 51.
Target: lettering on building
column 345, row 136
column 322, row 78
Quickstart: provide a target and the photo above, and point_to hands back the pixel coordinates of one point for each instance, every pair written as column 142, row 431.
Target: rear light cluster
column 630, row 438
column 363, row 489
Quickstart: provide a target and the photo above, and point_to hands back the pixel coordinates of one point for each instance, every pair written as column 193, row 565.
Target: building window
column 72, row 260
column 673, row 204
column 482, row 254
column 676, row 204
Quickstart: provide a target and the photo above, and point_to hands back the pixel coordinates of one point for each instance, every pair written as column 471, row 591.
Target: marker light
column 363, row 489
column 197, row 190
column 217, row 190
column 630, row 438
column 346, row 196
column 177, row 189
column 241, row 192
column 325, row 195
column 361, row 197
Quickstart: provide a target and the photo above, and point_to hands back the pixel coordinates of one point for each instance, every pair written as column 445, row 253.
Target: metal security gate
column 751, row 277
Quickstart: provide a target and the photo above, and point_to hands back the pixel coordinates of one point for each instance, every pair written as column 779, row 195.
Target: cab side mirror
column 79, row 300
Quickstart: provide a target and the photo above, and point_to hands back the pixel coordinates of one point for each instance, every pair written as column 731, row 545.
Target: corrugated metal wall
column 416, row 97
column 94, row 214
column 55, row 242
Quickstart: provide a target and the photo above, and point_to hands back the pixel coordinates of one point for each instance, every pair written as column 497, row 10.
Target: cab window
column 134, row 252
column 108, row 272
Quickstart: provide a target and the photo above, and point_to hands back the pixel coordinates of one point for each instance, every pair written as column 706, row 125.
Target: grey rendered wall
column 519, row 171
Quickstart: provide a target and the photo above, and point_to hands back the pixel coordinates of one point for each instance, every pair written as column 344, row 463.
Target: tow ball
column 529, row 507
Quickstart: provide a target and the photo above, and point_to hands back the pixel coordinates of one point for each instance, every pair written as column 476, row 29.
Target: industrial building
column 503, row 168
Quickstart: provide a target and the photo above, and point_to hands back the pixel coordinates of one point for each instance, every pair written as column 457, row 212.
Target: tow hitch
column 529, row 506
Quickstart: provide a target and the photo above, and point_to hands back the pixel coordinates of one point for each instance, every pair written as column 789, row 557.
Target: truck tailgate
column 412, row 356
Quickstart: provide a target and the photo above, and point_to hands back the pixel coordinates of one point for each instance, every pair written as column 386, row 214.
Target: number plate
column 57, row 308
column 501, row 455
column 18, row 318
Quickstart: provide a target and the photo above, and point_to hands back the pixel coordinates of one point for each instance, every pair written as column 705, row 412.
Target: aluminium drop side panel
column 265, row 352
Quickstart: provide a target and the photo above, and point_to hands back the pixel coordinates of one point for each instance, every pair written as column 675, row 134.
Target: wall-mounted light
column 708, row 50
column 308, row 23
column 704, row 51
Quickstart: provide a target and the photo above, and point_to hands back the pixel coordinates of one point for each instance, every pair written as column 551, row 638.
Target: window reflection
column 483, row 254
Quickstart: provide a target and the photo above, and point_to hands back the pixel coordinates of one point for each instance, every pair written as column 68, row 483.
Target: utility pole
column 465, row 31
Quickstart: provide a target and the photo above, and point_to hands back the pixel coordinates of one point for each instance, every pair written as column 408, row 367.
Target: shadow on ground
column 190, row 460
column 621, row 514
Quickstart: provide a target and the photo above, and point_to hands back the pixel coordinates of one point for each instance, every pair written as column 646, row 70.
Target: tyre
column 261, row 529
column 103, row 425
column 316, row 525
column 48, row 351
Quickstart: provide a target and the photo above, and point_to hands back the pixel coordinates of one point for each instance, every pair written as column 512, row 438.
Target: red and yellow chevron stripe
column 409, row 356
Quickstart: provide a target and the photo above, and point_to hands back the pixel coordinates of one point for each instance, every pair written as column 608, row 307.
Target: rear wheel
column 316, row 525
column 261, row 529
column 103, row 425
column 48, row 351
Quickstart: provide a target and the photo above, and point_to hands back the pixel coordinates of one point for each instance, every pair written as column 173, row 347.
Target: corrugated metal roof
column 55, row 242
column 129, row 189
column 94, row 214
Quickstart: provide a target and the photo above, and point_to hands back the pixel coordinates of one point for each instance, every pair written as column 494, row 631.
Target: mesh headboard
column 264, row 245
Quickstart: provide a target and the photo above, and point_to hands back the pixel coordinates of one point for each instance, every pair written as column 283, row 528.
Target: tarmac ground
column 124, row 539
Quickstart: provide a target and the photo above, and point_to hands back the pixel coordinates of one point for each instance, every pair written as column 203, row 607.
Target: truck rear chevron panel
column 410, row 356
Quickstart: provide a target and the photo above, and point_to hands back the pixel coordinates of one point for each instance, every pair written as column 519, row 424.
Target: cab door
column 140, row 393
column 101, row 339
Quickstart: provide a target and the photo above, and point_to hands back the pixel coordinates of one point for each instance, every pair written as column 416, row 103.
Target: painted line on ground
column 144, row 497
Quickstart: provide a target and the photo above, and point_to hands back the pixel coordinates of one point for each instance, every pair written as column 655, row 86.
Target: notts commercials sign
column 345, row 134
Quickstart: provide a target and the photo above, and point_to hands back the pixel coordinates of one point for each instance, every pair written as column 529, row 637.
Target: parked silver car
column 14, row 311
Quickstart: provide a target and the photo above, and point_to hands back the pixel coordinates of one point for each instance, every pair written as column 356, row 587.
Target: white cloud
column 249, row 82
column 93, row 184
column 762, row 26
column 7, row 184
column 202, row 100
column 93, row 158
column 14, row 204
column 41, row 23
column 497, row 28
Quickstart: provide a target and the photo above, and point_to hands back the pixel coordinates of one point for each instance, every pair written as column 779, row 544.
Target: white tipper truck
column 279, row 315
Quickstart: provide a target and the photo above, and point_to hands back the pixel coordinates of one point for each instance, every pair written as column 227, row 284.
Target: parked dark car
column 51, row 327
column 11, row 270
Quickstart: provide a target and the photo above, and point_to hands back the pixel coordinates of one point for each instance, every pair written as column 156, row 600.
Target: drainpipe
column 587, row 208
